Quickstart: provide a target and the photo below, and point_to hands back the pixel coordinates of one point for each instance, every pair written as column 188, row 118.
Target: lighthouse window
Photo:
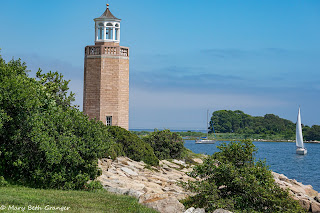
column 100, row 31
column 109, row 120
column 116, row 34
column 109, row 31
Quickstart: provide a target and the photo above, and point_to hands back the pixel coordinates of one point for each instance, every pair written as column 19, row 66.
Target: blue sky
column 185, row 56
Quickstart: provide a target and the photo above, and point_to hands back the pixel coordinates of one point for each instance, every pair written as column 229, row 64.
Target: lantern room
column 107, row 27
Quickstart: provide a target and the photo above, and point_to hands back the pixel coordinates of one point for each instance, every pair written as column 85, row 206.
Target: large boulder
column 195, row 210
column 315, row 207
column 164, row 205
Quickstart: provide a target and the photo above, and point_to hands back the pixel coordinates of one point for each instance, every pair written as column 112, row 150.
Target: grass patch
column 77, row 201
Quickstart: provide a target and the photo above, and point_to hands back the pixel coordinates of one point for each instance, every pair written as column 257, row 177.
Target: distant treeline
column 228, row 121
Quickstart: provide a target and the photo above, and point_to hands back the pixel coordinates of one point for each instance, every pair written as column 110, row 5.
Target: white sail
column 299, row 138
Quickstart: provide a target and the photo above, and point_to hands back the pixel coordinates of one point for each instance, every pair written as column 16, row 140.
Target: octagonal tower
column 106, row 74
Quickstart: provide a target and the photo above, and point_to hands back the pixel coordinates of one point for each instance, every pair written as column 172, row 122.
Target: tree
column 228, row 121
column 312, row 133
column 45, row 141
column 55, row 85
column 233, row 180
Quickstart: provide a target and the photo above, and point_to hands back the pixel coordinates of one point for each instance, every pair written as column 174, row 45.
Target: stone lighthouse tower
column 106, row 74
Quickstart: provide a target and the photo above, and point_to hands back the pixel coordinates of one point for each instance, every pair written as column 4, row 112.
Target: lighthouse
column 106, row 74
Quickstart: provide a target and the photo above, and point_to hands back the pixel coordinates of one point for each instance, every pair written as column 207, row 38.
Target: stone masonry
column 106, row 83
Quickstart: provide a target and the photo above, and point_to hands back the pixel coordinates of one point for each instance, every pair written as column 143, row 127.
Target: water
column 281, row 157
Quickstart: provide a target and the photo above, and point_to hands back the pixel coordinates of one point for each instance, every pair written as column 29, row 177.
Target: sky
column 261, row 57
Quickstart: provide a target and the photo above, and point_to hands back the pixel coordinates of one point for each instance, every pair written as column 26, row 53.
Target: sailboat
column 299, row 139
column 206, row 140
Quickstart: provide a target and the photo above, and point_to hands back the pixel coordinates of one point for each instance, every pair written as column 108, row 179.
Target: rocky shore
column 157, row 188
column 154, row 187
column 308, row 198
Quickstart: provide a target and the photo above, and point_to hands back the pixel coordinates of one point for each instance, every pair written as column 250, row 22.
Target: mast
column 207, row 123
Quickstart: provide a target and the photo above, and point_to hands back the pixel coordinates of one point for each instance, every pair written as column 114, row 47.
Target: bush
column 312, row 133
column 44, row 140
column 3, row 182
column 93, row 185
column 166, row 144
column 132, row 146
column 115, row 150
column 233, row 180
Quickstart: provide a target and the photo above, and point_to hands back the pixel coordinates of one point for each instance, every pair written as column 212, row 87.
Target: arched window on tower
column 117, row 31
column 100, row 31
column 109, row 31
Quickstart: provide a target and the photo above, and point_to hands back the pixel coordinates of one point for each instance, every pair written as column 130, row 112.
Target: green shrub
column 93, row 185
column 132, row 146
column 3, row 182
column 311, row 133
column 165, row 144
column 233, row 180
column 44, row 140
column 115, row 150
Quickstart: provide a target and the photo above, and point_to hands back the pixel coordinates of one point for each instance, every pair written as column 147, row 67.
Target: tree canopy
column 311, row 133
column 228, row 121
column 44, row 140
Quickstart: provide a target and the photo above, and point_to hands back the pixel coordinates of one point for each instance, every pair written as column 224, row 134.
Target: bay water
column 281, row 158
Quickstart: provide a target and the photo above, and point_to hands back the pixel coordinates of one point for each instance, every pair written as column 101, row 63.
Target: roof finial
column 107, row 5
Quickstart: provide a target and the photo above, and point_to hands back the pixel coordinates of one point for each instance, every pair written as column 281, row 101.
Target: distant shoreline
column 254, row 140
column 195, row 134
column 290, row 141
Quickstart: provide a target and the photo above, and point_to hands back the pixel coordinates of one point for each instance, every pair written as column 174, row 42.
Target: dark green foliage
column 228, row 121
column 141, row 133
column 45, row 141
column 165, row 144
column 233, row 180
column 115, row 150
column 132, row 146
column 312, row 133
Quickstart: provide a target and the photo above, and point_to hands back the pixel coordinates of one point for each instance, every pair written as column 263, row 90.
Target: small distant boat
column 299, row 139
column 206, row 140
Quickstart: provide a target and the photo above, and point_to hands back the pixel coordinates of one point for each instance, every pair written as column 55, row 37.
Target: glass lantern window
column 100, row 31
column 109, row 32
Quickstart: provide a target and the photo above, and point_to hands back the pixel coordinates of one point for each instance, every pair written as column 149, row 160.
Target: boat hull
column 301, row 151
column 206, row 141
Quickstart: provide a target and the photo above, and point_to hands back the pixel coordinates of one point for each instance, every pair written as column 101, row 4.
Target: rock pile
column 308, row 198
column 155, row 187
